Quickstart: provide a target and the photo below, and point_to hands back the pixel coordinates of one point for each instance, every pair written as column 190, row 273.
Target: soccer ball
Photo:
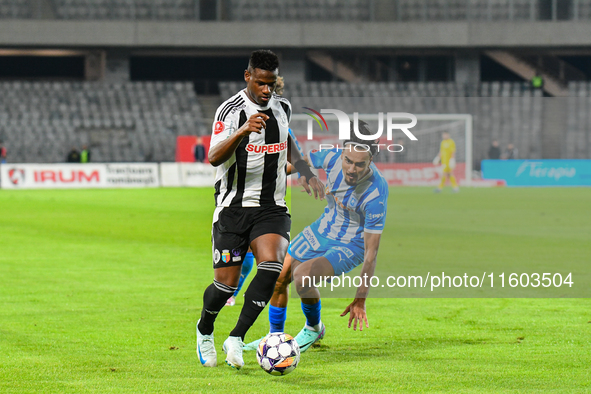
column 278, row 353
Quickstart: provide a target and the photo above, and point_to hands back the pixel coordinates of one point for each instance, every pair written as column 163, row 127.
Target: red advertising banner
column 418, row 174
column 71, row 176
column 186, row 146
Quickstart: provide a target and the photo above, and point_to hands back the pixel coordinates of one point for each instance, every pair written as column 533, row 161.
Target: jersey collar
column 366, row 177
column 243, row 93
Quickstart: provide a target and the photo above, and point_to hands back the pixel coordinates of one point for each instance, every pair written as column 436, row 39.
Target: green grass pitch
column 100, row 291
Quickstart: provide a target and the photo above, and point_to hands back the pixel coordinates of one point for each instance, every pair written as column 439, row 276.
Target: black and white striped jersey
column 254, row 175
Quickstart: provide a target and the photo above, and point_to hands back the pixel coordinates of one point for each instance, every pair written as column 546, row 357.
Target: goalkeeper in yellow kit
column 447, row 157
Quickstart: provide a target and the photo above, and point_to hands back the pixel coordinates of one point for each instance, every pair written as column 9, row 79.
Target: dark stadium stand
column 308, row 10
column 577, row 144
column 15, row 9
column 139, row 121
column 303, row 10
column 117, row 9
column 134, row 121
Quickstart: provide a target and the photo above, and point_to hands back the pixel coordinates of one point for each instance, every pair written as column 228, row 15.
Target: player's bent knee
column 304, row 283
column 229, row 276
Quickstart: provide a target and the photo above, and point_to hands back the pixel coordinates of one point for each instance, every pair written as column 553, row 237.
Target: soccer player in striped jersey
column 346, row 235
column 250, row 148
column 248, row 261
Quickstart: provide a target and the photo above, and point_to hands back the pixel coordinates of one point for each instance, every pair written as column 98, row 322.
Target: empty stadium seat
column 133, row 121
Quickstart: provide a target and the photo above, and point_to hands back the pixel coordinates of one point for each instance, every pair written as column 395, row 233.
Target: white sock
column 315, row 328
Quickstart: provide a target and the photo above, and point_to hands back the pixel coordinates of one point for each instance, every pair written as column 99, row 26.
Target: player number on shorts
column 300, row 246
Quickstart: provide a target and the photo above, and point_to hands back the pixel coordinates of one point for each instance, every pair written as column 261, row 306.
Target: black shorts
column 236, row 228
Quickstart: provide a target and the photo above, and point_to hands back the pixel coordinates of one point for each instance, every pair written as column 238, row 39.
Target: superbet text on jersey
column 255, row 174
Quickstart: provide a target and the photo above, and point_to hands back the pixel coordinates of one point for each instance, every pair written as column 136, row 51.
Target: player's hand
column 357, row 309
column 314, row 184
column 254, row 124
column 436, row 160
column 452, row 163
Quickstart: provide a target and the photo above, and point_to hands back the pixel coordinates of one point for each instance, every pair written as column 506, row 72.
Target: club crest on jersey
column 352, row 202
column 219, row 127
column 226, row 256
column 283, row 120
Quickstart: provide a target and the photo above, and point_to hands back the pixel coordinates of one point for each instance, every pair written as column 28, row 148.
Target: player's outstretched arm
column 312, row 184
column 357, row 307
column 221, row 152
column 307, row 179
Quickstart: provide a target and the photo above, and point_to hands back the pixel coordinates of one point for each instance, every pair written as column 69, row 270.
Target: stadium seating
column 577, row 142
column 15, row 9
column 300, row 10
column 134, row 121
column 139, row 121
column 295, row 10
column 123, row 9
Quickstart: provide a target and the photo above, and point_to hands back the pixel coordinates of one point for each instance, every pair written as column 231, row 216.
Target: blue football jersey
column 351, row 210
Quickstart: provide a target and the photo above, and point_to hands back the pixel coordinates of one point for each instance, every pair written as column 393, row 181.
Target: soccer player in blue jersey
column 346, row 235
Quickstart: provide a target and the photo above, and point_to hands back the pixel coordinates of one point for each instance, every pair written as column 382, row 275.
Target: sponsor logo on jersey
column 311, row 238
column 337, row 201
column 267, row 148
column 219, row 127
column 216, row 256
column 346, row 251
column 226, row 256
column 375, row 215
column 236, row 255
column 239, row 108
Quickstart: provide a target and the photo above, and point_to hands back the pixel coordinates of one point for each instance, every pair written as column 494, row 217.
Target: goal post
column 416, row 155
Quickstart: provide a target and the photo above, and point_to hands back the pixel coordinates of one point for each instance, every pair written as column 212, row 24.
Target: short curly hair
column 263, row 59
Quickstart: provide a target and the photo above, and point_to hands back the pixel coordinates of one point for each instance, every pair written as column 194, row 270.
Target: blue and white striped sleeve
column 375, row 209
column 321, row 158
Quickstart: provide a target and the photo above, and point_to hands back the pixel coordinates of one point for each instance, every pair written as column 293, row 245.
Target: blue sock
column 277, row 317
column 312, row 313
column 246, row 268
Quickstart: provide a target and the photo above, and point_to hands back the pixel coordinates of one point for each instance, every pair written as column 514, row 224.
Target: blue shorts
column 343, row 257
